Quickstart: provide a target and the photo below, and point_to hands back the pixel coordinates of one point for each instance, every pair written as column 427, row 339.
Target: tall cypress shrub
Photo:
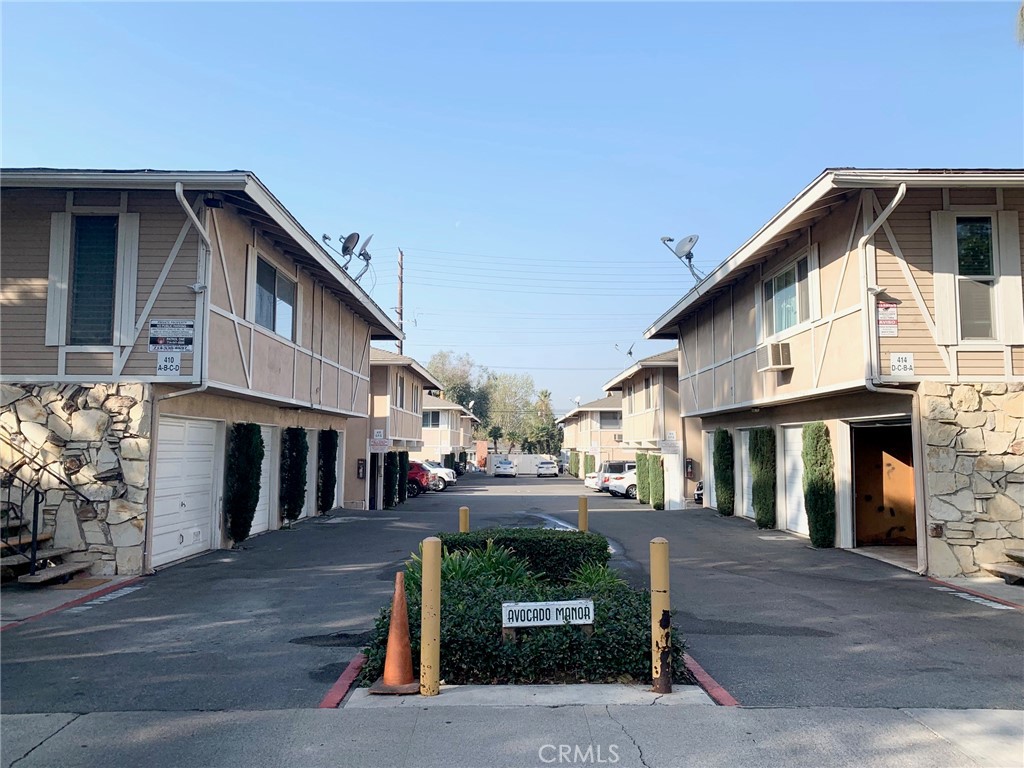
column 819, row 485
column 656, row 471
column 242, row 479
column 403, row 474
column 574, row 464
column 294, row 453
column 643, row 479
column 762, row 472
column 326, row 469
column 589, row 464
column 723, row 468
column 390, row 479
column 449, row 461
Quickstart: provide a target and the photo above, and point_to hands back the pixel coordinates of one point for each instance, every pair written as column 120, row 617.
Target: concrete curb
column 72, row 603
column 711, row 687
column 974, row 592
column 341, row 686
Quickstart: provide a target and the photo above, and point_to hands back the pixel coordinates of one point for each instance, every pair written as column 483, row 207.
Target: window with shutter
column 92, row 284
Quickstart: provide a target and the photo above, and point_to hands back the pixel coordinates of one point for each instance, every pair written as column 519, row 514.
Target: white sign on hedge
column 547, row 614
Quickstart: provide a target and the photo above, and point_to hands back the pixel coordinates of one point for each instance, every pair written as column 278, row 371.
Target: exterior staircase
column 25, row 550
column 1012, row 572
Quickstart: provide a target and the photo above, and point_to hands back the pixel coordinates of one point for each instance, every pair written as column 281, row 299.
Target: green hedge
column 326, row 469
column 819, row 485
column 242, row 479
column 294, row 453
column 643, row 479
column 390, row 479
column 554, row 553
column 762, row 470
column 590, row 464
column 656, row 472
column 403, row 473
column 725, row 479
column 448, row 461
column 574, row 464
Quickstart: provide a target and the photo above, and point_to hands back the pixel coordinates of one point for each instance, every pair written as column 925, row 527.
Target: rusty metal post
column 463, row 519
column 661, row 622
column 430, row 624
column 584, row 517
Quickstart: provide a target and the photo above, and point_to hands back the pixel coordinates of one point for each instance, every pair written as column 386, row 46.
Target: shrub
column 449, row 461
column 589, row 464
column 294, row 452
column 472, row 651
column 725, row 481
column 762, row 471
column 326, row 469
column 819, row 485
column 390, row 479
column 463, row 458
column 574, row 464
column 554, row 553
column 643, row 479
column 403, row 473
column 242, row 479
column 656, row 472
column 592, row 578
column 499, row 565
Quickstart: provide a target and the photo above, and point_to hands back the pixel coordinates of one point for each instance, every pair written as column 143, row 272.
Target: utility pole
column 401, row 325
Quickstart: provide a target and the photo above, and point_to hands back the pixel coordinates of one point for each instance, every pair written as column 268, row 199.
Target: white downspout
column 207, row 268
column 870, row 336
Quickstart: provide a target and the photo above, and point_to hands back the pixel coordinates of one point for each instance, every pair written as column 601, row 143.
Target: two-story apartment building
column 398, row 386
column 447, row 428
column 595, row 429
column 887, row 304
column 144, row 313
column 650, row 419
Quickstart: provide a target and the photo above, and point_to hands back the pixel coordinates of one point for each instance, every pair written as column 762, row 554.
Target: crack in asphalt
column 628, row 735
column 37, row 746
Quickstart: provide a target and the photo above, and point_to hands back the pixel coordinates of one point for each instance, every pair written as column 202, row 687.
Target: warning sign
column 888, row 321
column 171, row 335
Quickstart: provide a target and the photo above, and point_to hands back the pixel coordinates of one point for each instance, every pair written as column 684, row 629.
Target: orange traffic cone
column 398, row 676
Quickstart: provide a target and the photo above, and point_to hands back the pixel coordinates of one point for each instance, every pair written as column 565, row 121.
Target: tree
column 327, row 469
column 242, row 479
column 819, row 485
column 722, row 468
column 294, row 451
column 464, row 381
column 511, row 402
column 495, row 433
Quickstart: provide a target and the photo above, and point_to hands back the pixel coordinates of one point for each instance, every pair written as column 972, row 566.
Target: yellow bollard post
column 661, row 621
column 463, row 519
column 430, row 624
column 584, row 521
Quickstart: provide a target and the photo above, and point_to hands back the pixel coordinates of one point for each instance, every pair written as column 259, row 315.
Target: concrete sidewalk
column 432, row 734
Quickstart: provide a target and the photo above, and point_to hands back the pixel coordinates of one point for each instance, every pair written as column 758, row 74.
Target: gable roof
column 432, row 403
column 380, row 357
column 829, row 190
column 613, row 402
column 250, row 198
column 667, row 359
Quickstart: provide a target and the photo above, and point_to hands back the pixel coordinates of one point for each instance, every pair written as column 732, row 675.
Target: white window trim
column 813, row 288
column 253, row 257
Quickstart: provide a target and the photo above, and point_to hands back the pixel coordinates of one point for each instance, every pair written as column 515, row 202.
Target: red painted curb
column 958, row 588
column 340, row 688
column 72, row 603
column 718, row 694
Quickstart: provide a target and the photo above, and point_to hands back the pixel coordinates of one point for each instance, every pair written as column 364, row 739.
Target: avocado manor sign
column 523, row 615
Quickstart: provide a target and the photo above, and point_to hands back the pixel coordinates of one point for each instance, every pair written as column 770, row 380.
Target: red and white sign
column 888, row 321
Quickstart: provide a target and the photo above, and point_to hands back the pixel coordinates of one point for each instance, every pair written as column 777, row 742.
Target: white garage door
column 746, row 500
column 709, row 470
column 309, row 506
column 793, row 444
column 184, row 489
column 266, row 505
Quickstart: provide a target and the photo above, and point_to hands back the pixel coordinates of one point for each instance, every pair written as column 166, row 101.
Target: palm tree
column 495, row 433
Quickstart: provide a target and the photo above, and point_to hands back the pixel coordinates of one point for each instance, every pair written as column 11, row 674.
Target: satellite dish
column 362, row 251
column 349, row 246
column 682, row 251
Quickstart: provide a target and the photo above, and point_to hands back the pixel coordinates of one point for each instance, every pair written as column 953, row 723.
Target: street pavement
column 221, row 661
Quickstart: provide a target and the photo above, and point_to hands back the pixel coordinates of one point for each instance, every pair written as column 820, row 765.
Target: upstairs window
column 610, row 420
column 400, row 390
column 627, row 400
column 93, row 267
column 275, row 300
column 786, row 300
column 648, row 393
column 976, row 277
column 432, row 419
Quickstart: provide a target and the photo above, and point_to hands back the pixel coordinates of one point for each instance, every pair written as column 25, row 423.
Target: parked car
column 698, row 493
column 505, row 468
column 418, row 479
column 445, row 476
column 610, row 469
column 592, row 480
column 547, row 469
column 623, row 484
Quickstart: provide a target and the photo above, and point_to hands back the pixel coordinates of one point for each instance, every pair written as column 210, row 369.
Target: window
column 976, row 276
column 400, row 390
column 93, row 267
column 610, row 420
column 648, row 392
column 628, row 399
column 786, row 299
column 414, row 406
column 275, row 300
column 432, row 419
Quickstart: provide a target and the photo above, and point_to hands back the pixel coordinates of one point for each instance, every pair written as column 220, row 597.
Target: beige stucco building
column 447, row 428
column 887, row 304
column 145, row 312
column 595, row 429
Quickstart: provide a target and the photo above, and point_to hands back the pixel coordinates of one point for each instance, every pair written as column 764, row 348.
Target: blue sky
column 526, row 157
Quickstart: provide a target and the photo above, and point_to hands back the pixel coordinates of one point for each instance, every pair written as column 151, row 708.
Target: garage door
column 265, row 507
column 709, row 470
column 184, row 488
column 746, row 500
column 796, row 515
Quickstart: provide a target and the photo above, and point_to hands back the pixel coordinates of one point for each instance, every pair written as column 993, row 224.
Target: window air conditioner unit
column 617, row 437
column 773, row 357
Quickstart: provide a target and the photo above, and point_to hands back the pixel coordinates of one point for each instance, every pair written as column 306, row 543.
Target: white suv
column 445, row 476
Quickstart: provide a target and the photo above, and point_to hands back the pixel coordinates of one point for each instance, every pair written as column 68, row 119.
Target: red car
column 418, row 479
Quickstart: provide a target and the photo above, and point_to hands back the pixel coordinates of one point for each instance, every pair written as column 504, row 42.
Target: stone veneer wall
column 96, row 438
column 974, row 457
